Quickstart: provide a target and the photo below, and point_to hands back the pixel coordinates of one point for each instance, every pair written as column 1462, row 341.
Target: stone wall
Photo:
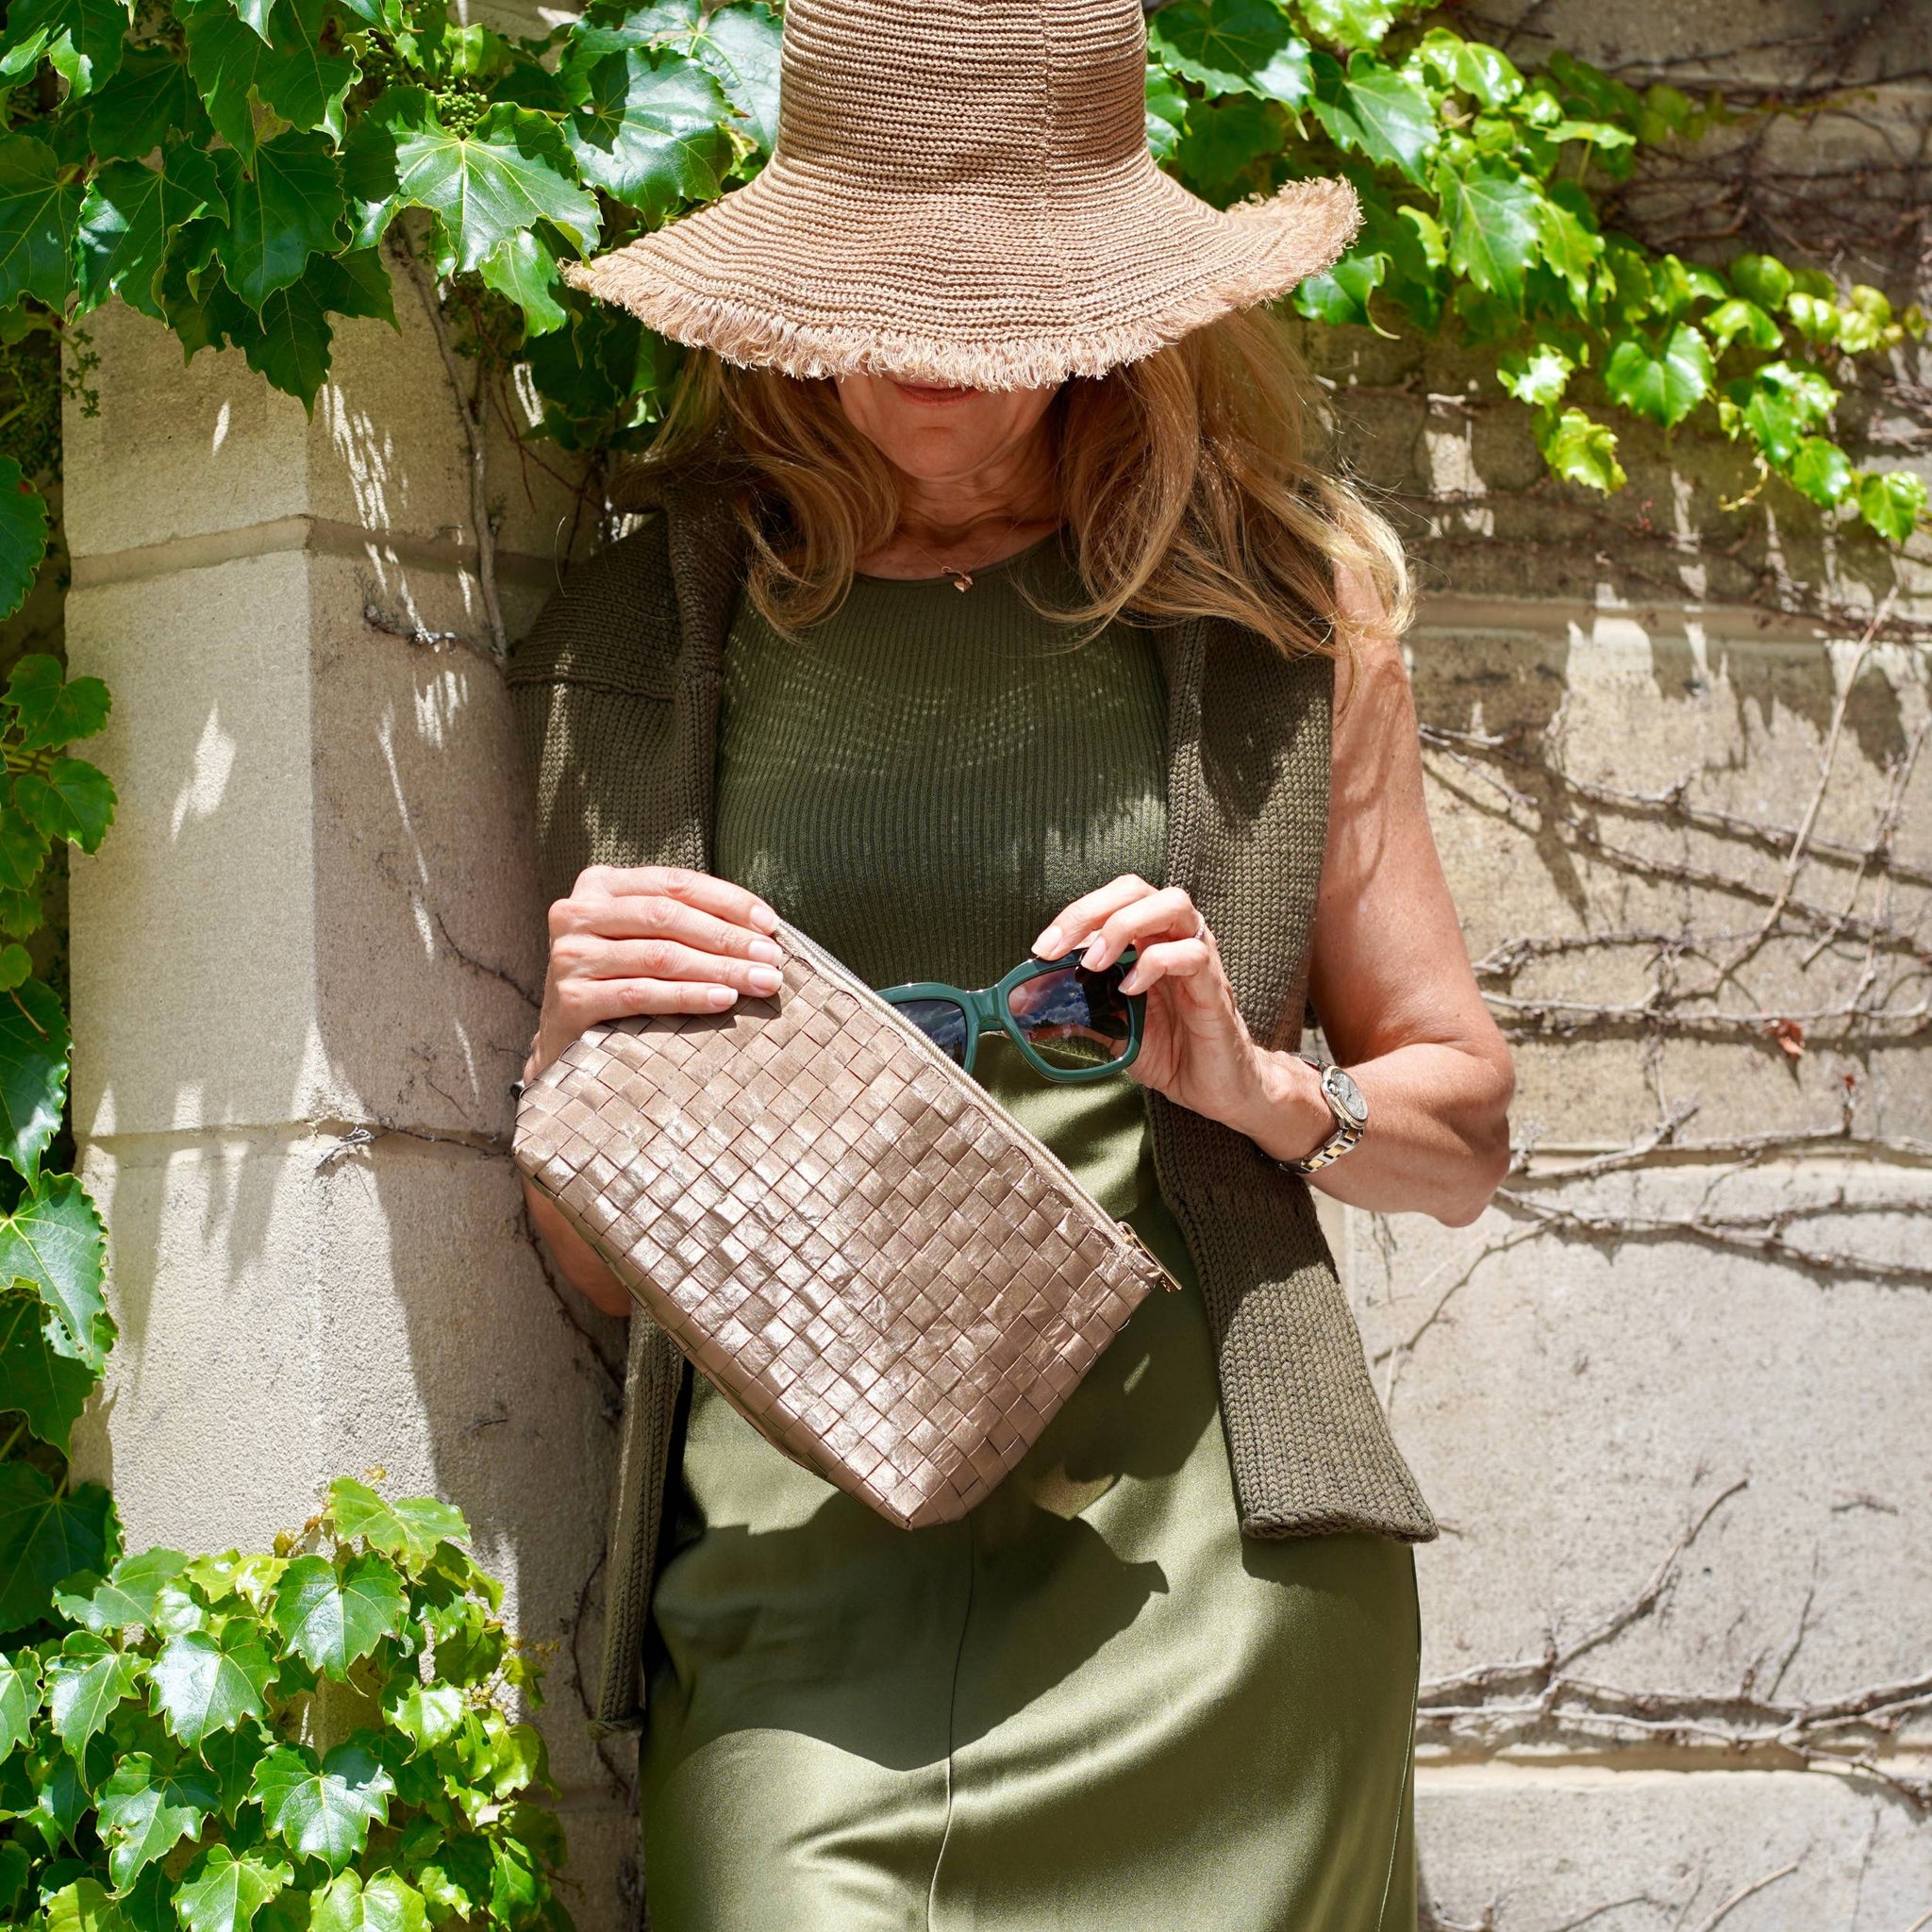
column 305, row 975
column 1686, row 1466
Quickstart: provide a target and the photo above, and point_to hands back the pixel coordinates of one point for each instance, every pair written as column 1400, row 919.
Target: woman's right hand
column 650, row 938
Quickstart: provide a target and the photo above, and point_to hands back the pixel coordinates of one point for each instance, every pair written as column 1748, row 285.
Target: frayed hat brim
column 790, row 274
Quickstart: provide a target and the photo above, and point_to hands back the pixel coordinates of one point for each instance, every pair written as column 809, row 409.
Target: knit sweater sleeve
column 590, row 688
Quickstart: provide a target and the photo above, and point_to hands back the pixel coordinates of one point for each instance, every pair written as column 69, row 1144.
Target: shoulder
column 1371, row 679
column 611, row 623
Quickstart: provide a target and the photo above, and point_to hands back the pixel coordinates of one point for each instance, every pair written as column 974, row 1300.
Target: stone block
column 311, row 809
column 1656, row 701
column 1524, row 1849
column 1570, row 1406
column 194, row 988
column 425, row 889
column 199, row 449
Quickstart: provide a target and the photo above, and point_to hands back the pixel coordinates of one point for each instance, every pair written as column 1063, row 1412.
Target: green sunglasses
column 1070, row 1024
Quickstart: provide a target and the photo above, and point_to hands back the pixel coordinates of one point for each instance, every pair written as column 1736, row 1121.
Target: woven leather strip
column 885, row 1274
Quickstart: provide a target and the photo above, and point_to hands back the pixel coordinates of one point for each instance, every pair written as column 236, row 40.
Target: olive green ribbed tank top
column 921, row 780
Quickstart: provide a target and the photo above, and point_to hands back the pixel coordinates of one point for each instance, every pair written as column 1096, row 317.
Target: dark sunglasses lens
column 1073, row 1018
column 942, row 1023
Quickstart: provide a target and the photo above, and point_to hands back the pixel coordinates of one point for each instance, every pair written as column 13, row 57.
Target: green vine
column 311, row 1740
column 315, row 1738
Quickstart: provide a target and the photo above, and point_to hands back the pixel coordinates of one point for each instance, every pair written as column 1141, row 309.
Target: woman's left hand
column 1195, row 1047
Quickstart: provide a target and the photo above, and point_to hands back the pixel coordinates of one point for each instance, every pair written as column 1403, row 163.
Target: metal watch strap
column 1347, row 1134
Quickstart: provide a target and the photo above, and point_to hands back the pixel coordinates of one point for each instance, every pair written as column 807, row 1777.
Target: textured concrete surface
column 1570, row 1406
column 1510, row 1849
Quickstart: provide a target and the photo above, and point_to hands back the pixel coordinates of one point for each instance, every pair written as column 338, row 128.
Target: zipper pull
column 1132, row 1236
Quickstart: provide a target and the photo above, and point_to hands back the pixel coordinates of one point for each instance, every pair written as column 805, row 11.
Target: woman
column 990, row 609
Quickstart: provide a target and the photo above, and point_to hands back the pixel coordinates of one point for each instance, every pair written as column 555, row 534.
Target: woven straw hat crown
column 961, row 191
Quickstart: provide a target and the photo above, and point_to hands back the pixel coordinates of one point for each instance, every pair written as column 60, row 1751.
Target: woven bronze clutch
column 865, row 1255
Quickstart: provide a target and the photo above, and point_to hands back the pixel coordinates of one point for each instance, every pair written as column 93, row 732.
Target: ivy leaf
column 23, row 849
column 47, row 1388
column 45, row 1536
column 648, row 132
column 409, row 1529
column 1582, row 451
column 1823, row 472
column 1371, row 109
column 322, row 1810
column 52, row 709
column 1495, row 218
column 1892, row 502
column 1537, row 376
column 1568, row 240
column 86, row 1679
column 1762, row 279
column 84, row 1907
column 145, row 1812
column 126, row 221
column 37, row 211
column 125, row 1600
column 20, row 1698
column 1227, row 142
column 1736, row 317
column 73, row 802
column 1341, row 296
column 222, row 1891
column 522, row 269
column 332, row 1616
column 1232, row 46
column 84, row 39
column 151, row 98
column 1777, row 406
column 740, row 46
column 232, row 1756
column 1167, row 112
column 1490, row 77
column 22, row 536
column 285, row 68
column 289, row 208
column 1352, row 22
column 289, row 342
column 1663, row 381
column 210, row 1680
column 455, row 1877
column 426, row 1714
column 53, row 1240
column 384, row 1904
column 509, row 172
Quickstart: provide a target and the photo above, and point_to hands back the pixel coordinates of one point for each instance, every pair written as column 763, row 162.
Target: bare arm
column 1391, row 979
column 1391, row 974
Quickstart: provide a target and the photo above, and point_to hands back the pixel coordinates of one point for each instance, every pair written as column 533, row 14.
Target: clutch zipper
column 1141, row 1256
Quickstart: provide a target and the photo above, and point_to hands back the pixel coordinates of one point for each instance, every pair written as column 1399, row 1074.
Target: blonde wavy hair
column 1184, row 486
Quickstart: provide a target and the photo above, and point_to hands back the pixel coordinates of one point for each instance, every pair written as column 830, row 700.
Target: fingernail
column 720, row 995
column 1050, row 945
column 1131, row 983
column 763, row 978
column 1095, row 953
column 763, row 917
column 765, row 950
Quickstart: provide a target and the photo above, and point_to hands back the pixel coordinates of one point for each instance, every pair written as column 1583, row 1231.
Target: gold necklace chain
column 962, row 577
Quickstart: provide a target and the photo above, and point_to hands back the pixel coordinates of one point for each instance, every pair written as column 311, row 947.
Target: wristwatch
column 1351, row 1111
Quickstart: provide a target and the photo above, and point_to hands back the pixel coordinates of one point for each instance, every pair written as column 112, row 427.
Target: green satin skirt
column 1092, row 1705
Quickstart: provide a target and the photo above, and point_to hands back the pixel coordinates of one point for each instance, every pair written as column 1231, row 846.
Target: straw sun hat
column 961, row 193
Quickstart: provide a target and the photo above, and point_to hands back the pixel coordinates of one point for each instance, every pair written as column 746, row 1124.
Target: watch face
column 1347, row 1096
